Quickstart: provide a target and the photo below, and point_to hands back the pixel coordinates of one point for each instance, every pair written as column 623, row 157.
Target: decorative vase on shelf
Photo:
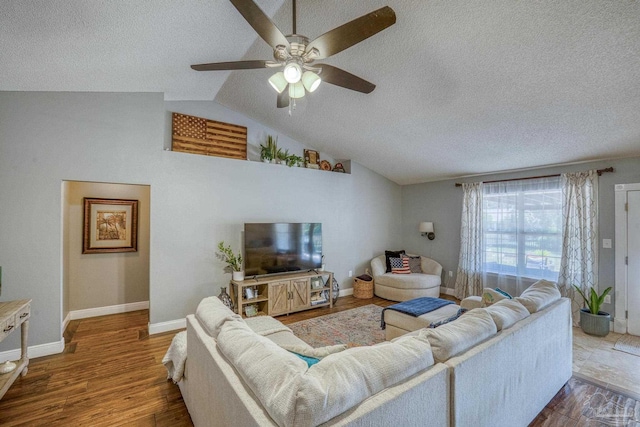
column 238, row 276
column 225, row 298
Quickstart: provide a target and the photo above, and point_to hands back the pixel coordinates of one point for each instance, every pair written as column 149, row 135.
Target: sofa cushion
column 491, row 296
column 318, row 353
column 414, row 263
column 271, row 372
column 390, row 254
column 399, row 265
column 342, row 380
column 212, row 314
column 507, row 312
column 539, row 295
column 408, row 281
column 455, row 337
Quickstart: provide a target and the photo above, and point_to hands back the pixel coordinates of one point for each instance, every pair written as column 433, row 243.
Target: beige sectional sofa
column 463, row 373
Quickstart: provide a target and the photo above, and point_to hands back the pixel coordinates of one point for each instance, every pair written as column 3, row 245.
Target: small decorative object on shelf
column 336, row 290
column 325, row 165
column 225, row 298
column 7, row 367
column 311, row 159
column 250, row 310
column 233, row 261
column 338, row 168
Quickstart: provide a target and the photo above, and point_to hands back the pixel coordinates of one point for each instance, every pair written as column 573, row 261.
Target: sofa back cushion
column 539, row 295
column 271, row 372
column 297, row 395
column 340, row 381
column 212, row 314
column 505, row 313
column 458, row 336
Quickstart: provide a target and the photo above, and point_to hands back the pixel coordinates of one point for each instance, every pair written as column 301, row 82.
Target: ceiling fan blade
column 261, row 23
column 338, row 77
column 234, row 65
column 352, row 32
column 283, row 99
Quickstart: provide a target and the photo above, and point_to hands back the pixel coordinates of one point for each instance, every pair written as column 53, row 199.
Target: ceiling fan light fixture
column 296, row 90
column 311, row 80
column 278, row 82
column 292, row 72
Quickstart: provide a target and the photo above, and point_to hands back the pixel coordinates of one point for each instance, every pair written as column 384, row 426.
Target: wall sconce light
column 426, row 228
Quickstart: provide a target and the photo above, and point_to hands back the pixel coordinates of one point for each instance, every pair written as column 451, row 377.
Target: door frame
column 621, row 300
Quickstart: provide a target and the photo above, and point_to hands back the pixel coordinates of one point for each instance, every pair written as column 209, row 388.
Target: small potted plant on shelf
column 282, row 156
column 269, row 152
column 592, row 320
column 294, row 160
column 234, row 262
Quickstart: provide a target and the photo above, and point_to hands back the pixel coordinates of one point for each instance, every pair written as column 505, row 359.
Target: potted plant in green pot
column 592, row 320
column 233, row 261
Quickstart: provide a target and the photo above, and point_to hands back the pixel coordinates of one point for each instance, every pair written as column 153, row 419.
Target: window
column 522, row 228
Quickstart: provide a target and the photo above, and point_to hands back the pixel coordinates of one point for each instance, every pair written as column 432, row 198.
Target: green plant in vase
column 269, row 152
column 282, row 156
column 233, row 261
column 592, row 320
column 294, row 160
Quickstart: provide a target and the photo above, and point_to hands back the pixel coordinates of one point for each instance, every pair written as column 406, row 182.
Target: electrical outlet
column 350, row 273
column 450, row 273
column 607, row 299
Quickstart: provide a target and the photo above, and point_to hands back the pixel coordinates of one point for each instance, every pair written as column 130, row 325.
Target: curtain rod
column 600, row 172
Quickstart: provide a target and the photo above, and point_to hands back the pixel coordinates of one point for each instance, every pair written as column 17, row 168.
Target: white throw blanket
column 176, row 357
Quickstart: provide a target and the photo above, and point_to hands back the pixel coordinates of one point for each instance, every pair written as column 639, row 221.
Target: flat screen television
column 275, row 248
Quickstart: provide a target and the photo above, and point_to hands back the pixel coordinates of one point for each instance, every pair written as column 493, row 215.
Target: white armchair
column 403, row 287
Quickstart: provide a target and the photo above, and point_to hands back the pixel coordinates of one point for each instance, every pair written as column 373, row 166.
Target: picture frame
column 250, row 310
column 249, row 293
column 110, row 225
column 316, row 282
column 311, row 157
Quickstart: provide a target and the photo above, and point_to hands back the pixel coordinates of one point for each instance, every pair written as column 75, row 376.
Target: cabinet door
column 300, row 294
column 278, row 298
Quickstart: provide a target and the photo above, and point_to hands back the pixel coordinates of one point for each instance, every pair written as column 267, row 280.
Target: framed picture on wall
column 110, row 225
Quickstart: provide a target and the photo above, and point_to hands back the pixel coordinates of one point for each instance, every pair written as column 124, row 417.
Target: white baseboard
column 34, row 351
column 345, row 292
column 65, row 323
column 103, row 311
column 619, row 326
column 447, row 291
column 171, row 325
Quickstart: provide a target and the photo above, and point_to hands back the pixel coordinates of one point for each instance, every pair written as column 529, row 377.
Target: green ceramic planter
column 595, row 324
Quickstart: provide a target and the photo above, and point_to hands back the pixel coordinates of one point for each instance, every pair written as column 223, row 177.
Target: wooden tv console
column 283, row 293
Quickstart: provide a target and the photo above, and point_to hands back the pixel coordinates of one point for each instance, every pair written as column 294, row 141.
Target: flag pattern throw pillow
column 400, row 265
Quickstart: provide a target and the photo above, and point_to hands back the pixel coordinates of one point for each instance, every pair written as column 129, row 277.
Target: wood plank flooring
column 110, row 374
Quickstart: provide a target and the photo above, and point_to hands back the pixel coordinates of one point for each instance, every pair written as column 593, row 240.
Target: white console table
column 13, row 314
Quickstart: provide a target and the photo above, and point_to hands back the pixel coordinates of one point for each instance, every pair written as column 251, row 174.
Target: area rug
column 629, row 344
column 356, row 327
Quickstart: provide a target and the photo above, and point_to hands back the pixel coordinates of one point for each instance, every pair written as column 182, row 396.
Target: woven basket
column 363, row 289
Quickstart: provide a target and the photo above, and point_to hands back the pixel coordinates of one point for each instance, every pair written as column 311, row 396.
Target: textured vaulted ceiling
column 463, row 87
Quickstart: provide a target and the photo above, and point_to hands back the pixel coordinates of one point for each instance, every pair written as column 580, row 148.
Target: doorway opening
column 98, row 284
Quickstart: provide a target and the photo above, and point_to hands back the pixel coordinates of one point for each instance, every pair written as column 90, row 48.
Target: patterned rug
column 629, row 344
column 356, row 327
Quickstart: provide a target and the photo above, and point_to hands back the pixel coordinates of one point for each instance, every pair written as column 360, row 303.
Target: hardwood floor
column 111, row 374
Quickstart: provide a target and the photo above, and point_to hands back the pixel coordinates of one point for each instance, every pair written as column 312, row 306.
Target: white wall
column 101, row 280
column 196, row 201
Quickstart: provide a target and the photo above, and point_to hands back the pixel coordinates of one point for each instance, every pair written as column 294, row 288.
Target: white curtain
column 579, row 265
column 522, row 232
column 469, row 273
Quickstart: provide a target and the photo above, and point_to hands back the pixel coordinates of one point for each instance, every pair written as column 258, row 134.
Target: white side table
column 13, row 314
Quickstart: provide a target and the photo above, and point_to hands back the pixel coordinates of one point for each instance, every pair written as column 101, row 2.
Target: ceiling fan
column 296, row 53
